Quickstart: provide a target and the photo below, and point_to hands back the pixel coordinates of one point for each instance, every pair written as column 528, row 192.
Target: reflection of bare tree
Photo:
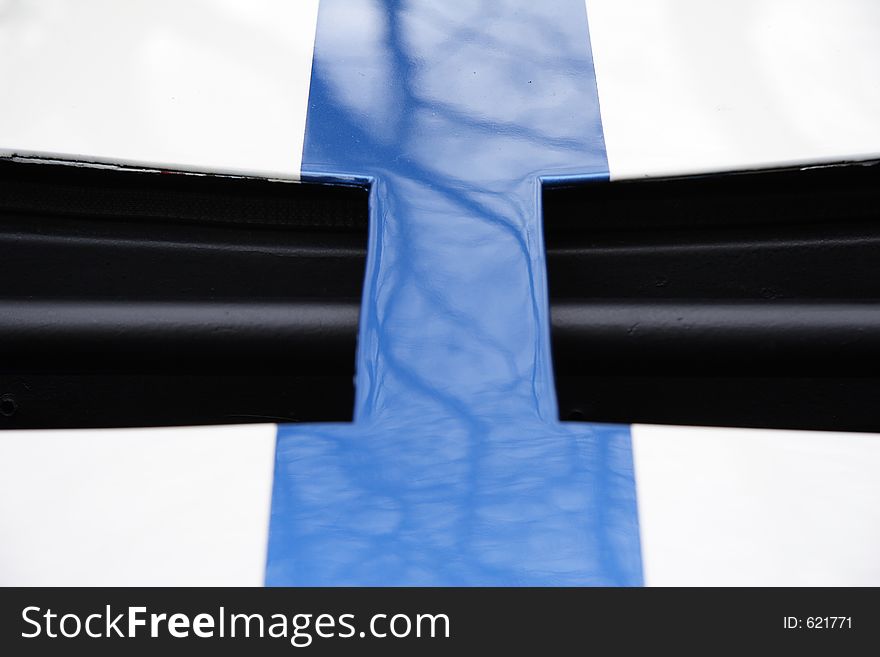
column 464, row 32
column 475, row 123
column 457, row 192
column 454, row 471
column 484, row 200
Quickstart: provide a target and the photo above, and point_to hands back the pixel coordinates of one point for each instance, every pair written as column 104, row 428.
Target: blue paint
column 455, row 471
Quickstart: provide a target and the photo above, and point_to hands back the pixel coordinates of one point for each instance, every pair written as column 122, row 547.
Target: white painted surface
column 689, row 86
column 199, row 85
column 126, row 507
column 730, row 507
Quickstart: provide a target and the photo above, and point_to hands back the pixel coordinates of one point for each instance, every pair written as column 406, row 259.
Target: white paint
column 136, row 507
column 689, row 86
column 730, row 507
column 215, row 86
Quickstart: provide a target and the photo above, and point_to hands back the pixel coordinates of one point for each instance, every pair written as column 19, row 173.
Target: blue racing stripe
column 456, row 470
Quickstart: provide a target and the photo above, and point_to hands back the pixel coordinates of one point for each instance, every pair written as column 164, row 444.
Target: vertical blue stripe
column 455, row 471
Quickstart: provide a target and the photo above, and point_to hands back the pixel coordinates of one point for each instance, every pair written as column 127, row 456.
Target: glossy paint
column 179, row 506
column 747, row 507
column 184, row 506
column 217, row 86
column 689, row 86
column 456, row 471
